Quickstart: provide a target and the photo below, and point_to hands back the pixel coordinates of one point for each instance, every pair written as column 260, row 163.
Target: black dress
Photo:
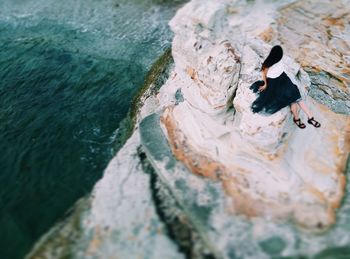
column 280, row 92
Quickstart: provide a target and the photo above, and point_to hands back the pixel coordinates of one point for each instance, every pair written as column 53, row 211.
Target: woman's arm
column 264, row 73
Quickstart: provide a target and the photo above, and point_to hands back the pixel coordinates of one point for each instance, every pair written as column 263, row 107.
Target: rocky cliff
column 202, row 175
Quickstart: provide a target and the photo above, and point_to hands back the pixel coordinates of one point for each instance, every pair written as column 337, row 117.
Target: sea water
column 68, row 72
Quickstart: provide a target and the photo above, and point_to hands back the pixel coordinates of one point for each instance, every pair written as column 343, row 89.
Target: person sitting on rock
column 276, row 90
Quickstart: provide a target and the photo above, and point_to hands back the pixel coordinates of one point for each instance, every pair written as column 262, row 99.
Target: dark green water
column 68, row 72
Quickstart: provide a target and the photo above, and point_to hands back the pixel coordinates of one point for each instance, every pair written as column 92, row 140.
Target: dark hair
column 275, row 55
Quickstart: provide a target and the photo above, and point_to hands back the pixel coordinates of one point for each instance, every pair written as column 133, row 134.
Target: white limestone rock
column 120, row 220
column 238, row 175
column 266, row 164
column 213, row 65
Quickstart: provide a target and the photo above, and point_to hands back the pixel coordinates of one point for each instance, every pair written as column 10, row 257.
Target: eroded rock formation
column 319, row 41
column 266, row 164
column 235, row 183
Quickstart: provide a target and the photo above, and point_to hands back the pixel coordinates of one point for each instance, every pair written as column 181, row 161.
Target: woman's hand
column 262, row 88
column 264, row 75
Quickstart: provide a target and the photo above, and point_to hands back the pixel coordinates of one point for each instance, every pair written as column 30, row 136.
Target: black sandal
column 299, row 123
column 316, row 124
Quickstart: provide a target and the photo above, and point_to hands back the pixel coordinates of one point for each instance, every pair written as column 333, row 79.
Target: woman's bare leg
column 305, row 109
column 294, row 110
column 296, row 119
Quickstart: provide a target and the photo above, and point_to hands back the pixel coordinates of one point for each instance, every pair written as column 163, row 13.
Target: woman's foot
column 314, row 122
column 299, row 123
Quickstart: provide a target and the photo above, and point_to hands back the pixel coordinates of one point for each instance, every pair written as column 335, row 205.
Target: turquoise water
column 68, row 72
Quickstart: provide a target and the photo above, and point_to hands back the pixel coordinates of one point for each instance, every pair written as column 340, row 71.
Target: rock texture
column 118, row 221
column 266, row 165
column 319, row 41
column 202, row 176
